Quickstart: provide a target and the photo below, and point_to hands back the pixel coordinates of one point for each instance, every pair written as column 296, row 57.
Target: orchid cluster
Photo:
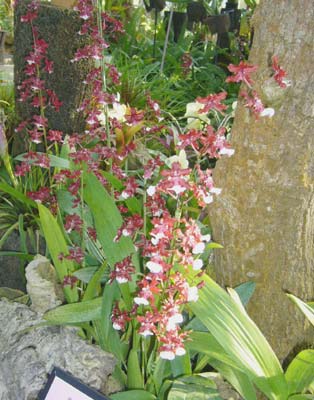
column 242, row 73
column 136, row 155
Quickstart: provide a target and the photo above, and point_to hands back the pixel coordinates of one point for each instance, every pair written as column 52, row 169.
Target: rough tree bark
column 264, row 217
column 59, row 28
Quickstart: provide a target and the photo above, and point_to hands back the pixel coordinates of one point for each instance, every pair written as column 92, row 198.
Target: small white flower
column 268, row 112
column 173, row 320
column 208, row 199
column 147, row 332
column 116, row 326
column 121, row 279
column 167, row 355
column 177, row 189
column 198, row 248
column 155, row 239
column 151, row 190
column 180, row 351
column 197, row 264
column 154, row 267
column 206, row 238
column 216, row 190
column 141, row 300
column 125, row 195
column 226, row 151
column 192, row 293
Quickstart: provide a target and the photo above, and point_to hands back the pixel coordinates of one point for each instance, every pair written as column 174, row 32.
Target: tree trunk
column 59, row 28
column 264, row 217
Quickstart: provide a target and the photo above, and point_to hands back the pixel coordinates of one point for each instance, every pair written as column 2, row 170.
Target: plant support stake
column 166, row 41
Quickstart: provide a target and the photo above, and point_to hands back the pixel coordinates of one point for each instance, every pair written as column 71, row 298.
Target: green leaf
column 161, row 371
column 7, row 233
column 93, row 285
column 225, row 317
column 134, row 374
column 86, row 274
column 306, row 308
column 57, row 245
column 213, row 245
column 238, row 379
column 181, row 365
column 194, row 389
column 59, row 162
column 55, row 161
column 65, row 202
column 109, row 339
column 113, row 180
column 134, row 205
column 107, row 220
column 75, row 313
column 133, row 395
column 205, row 343
column 22, row 256
column 300, row 372
column 245, row 291
column 301, row 397
column 6, row 188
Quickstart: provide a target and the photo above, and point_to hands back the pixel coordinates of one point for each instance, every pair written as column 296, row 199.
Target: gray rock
column 42, row 286
column 27, row 354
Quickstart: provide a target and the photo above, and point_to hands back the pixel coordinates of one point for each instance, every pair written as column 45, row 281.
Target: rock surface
column 28, row 354
column 42, row 285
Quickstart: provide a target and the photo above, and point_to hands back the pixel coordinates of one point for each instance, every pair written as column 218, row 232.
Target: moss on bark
column 59, row 28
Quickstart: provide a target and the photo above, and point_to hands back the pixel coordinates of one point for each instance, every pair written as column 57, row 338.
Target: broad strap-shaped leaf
column 181, row 365
column 238, row 379
column 134, row 374
column 300, row 372
column 75, row 313
column 306, row 308
column 230, row 325
column 57, row 246
column 107, row 220
column 194, row 387
column 133, row 395
column 205, row 343
column 301, row 397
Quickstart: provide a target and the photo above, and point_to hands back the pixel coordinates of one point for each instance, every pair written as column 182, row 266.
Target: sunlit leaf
column 240, row 338
column 300, row 372
column 306, row 308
